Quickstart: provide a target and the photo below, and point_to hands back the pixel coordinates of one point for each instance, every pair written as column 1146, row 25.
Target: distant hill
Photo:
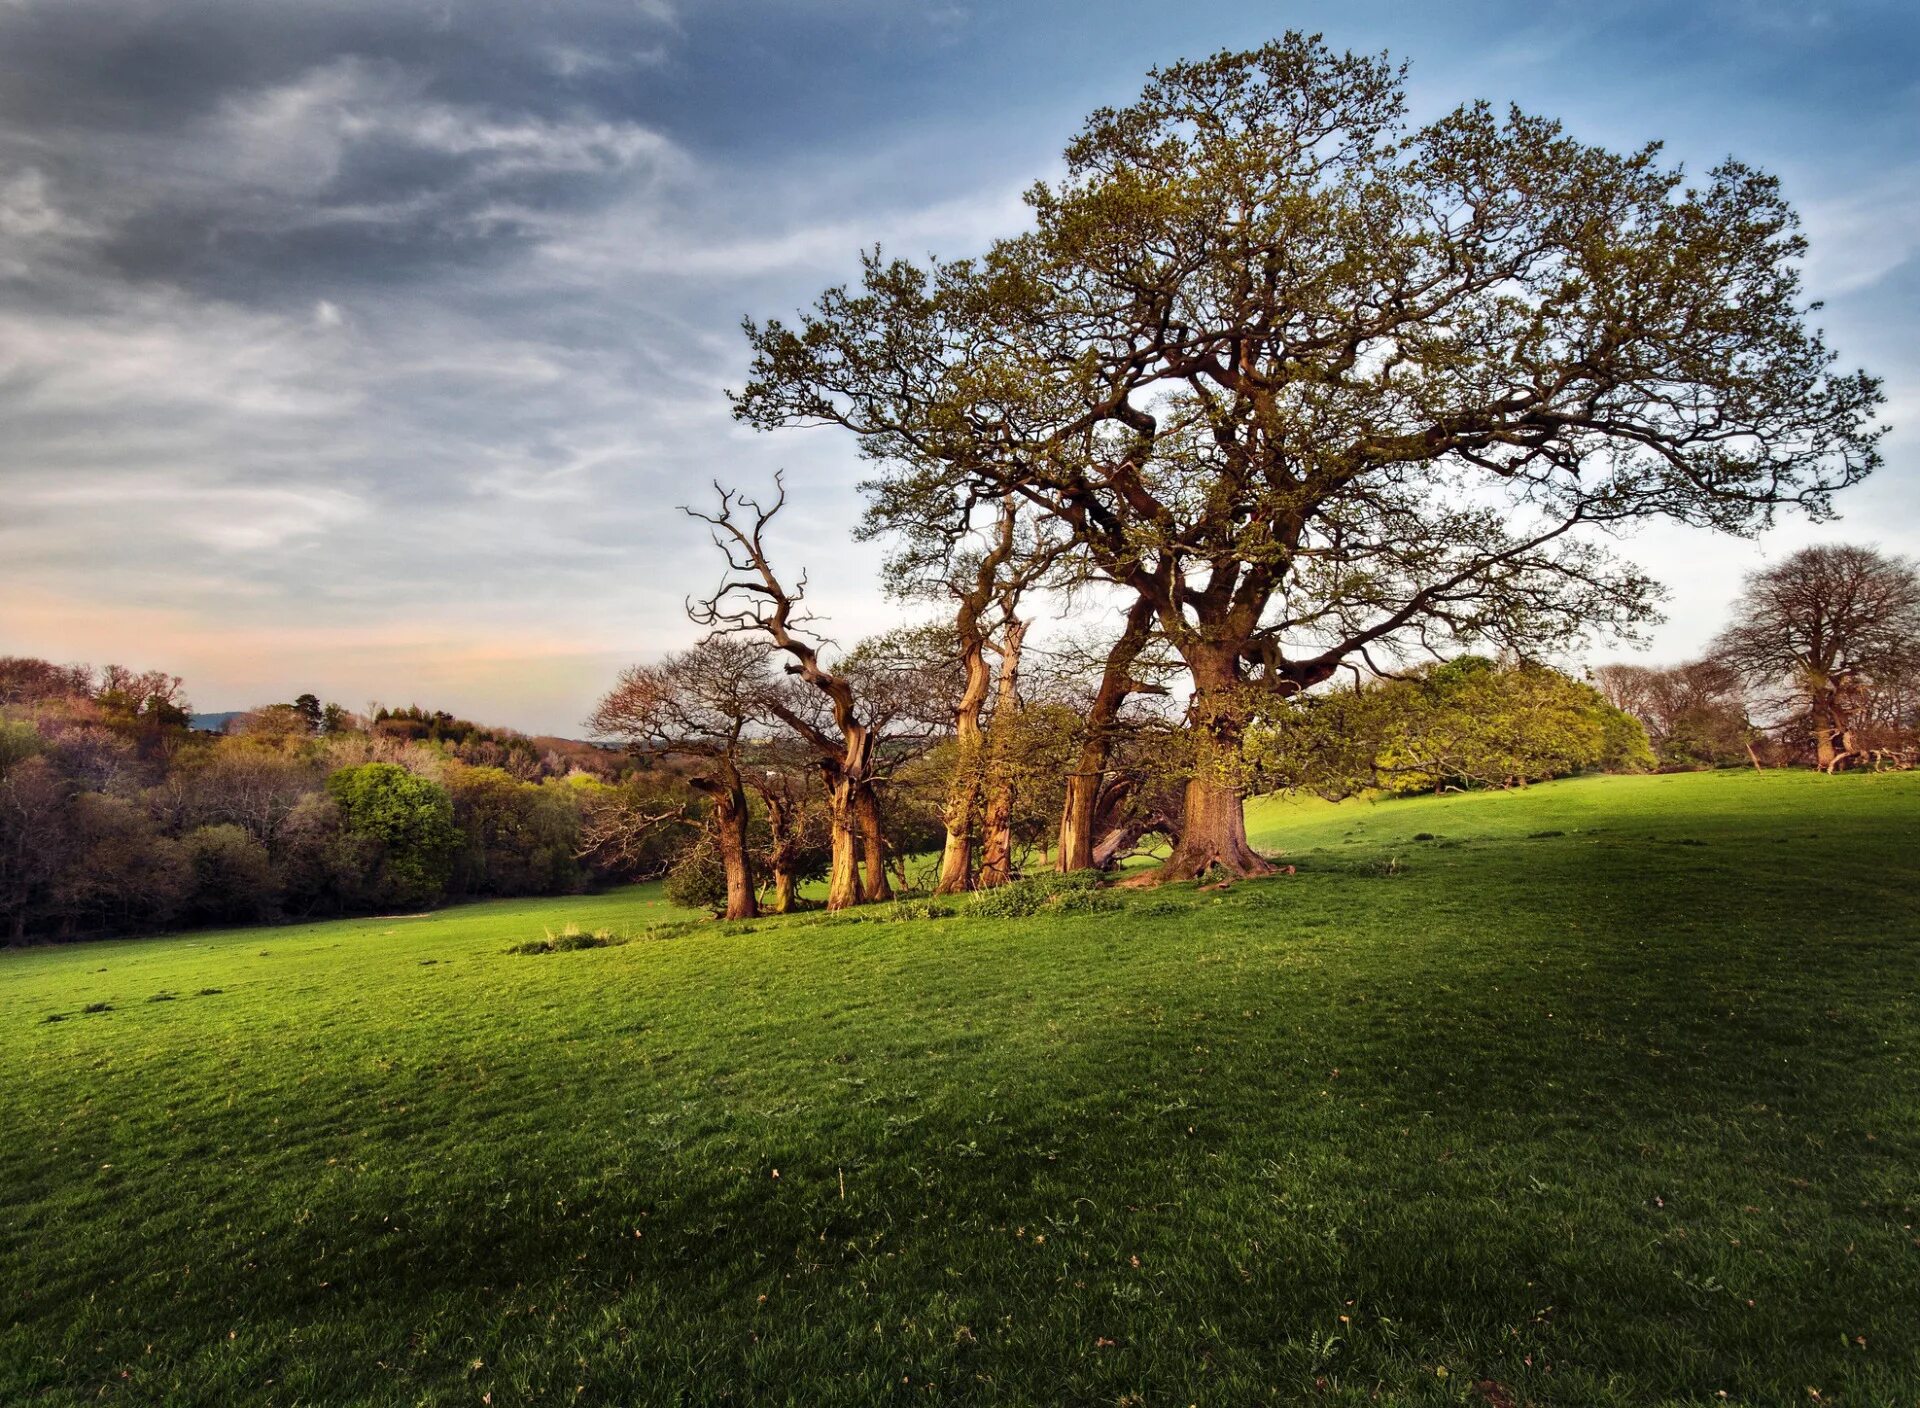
column 212, row 723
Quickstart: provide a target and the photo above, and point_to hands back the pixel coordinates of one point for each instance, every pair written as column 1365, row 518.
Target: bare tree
column 1822, row 628
column 752, row 598
column 1694, row 713
column 700, row 704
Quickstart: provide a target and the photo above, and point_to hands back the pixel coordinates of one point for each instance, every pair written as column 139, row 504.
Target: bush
column 1084, row 902
column 1026, row 897
column 697, row 880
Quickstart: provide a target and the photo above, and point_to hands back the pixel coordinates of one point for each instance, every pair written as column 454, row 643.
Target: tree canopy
column 1327, row 389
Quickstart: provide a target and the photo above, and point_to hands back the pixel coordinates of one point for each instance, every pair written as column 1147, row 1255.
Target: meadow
column 1598, row 1092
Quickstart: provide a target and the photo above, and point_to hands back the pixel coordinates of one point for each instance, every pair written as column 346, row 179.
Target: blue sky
column 368, row 347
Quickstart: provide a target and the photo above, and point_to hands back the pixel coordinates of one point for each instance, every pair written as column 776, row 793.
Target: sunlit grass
column 1605, row 1093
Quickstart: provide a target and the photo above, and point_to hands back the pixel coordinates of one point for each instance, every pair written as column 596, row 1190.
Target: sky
column 369, row 347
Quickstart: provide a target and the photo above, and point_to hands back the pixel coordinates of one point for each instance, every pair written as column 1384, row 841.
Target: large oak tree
column 1323, row 387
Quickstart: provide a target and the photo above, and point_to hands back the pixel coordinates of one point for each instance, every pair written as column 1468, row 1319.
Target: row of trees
column 1304, row 393
column 1820, row 665
column 116, row 817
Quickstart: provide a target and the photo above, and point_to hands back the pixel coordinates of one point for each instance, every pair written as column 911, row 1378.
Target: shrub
column 1015, row 901
column 1084, row 902
column 697, row 880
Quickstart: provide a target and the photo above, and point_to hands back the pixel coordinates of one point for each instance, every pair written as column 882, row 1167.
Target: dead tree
column 752, row 598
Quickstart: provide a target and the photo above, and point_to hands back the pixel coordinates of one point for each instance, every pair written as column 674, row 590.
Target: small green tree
column 409, row 821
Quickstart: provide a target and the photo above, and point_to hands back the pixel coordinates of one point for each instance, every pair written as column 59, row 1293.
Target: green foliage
column 1543, row 1113
column 408, row 821
column 1468, row 722
column 1049, row 890
column 698, row 880
column 518, row 838
column 117, row 870
column 571, row 939
column 19, row 741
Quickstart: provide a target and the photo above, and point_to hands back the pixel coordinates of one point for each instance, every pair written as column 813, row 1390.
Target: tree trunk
column 1213, row 833
column 956, row 857
column 1825, row 729
column 1213, row 827
column 996, row 847
column 1079, row 813
column 843, row 870
column 780, row 853
column 873, row 842
column 730, row 836
column 1075, row 851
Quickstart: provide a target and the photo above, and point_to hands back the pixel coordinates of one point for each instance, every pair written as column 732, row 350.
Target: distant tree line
column 1819, row 666
column 116, row 817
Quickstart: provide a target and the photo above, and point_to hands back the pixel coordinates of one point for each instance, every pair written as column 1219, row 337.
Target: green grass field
column 1608, row 1093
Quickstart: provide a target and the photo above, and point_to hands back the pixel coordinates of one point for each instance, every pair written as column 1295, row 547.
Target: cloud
column 370, row 346
column 1855, row 240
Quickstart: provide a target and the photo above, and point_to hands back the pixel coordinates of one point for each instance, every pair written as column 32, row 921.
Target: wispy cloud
column 371, row 346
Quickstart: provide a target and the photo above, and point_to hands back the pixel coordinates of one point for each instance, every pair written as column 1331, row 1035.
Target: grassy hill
column 1603, row 1092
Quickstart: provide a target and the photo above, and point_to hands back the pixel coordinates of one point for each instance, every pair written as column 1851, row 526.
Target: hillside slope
column 1604, row 1094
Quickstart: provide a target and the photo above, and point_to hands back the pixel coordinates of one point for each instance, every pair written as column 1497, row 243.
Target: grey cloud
column 376, row 316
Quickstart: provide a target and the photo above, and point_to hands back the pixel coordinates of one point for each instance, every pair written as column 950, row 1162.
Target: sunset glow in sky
column 367, row 347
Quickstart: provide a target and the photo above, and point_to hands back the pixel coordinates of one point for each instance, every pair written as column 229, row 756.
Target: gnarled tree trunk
column 873, row 842
column 730, row 838
column 1079, row 813
column 1213, row 823
column 963, row 792
column 843, row 866
column 782, row 848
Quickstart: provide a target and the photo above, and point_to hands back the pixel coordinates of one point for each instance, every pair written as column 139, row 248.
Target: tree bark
column 1213, row 827
column 730, row 837
column 781, row 848
column 843, row 869
column 956, row 857
column 1081, row 809
column 1826, row 728
column 996, row 849
column 873, row 844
